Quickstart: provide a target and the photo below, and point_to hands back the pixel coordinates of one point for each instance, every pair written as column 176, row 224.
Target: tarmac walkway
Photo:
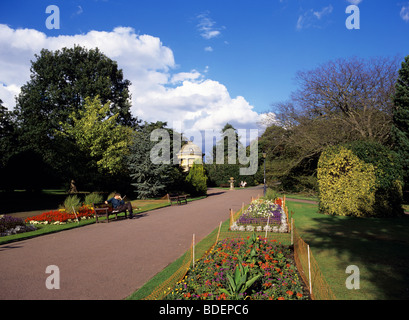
column 111, row 260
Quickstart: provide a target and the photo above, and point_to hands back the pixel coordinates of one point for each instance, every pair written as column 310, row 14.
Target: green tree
column 6, row 135
column 59, row 84
column 229, row 143
column 150, row 178
column 400, row 123
column 97, row 141
column 225, row 156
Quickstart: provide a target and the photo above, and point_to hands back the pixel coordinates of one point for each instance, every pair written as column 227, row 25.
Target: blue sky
column 239, row 55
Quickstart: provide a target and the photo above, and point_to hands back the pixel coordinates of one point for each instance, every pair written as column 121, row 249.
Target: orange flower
column 281, row 298
column 289, row 292
column 222, row 297
column 299, row 295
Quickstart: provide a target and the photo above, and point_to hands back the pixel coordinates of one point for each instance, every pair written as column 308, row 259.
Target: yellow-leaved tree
column 360, row 179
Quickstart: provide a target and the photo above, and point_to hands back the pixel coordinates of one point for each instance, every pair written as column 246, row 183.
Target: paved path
column 112, row 260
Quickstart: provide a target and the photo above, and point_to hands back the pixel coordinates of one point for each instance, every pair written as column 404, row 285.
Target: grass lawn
column 379, row 247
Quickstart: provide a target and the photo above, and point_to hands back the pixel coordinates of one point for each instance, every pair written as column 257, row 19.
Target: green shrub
column 360, row 179
column 93, row 198
column 219, row 174
column 197, row 180
column 72, row 202
column 271, row 194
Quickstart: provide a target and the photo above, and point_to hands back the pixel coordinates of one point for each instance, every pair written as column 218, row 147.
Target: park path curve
column 111, row 260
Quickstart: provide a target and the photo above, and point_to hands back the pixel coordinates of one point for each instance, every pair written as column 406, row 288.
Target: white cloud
column 183, row 76
column 404, row 13
column 208, row 49
column 206, row 26
column 79, row 11
column 310, row 17
column 355, row 2
column 158, row 91
column 325, row 11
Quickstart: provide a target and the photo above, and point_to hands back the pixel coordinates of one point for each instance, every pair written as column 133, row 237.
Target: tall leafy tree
column 6, row 141
column 97, row 140
column 6, row 129
column 229, row 143
column 150, row 178
column 400, row 124
column 59, row 84
column 225, row 163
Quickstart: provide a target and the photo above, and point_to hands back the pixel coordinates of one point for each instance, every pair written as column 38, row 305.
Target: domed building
column 189, row 154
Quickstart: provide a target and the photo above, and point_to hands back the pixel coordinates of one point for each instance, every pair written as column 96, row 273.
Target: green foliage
column 98, row 137
column 93, row 198
column 149, row 179
column 60, row 81
column 72, row 203
column 6, row 135
column 271, row 194
column 240, row 281
column 220, row 173
column 197, row 180
column 360, row 179
column 400, row 125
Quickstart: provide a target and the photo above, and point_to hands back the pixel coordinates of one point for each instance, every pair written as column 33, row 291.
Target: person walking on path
column 118, row 204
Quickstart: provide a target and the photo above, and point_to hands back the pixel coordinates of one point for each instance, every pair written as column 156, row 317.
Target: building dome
column 190, row 149
column 189, row 154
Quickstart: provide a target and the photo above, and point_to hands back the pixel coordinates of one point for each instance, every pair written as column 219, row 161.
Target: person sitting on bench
column 119, row 205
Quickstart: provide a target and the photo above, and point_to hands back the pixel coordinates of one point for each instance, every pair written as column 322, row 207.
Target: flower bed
column 12, row 225
column 61, row 216
column 235, row 269
column 262, row 215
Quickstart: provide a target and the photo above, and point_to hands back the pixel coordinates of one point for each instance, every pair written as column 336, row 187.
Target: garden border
column 306, row 264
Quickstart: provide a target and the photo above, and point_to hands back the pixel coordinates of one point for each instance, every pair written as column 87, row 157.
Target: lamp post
column 264, row 156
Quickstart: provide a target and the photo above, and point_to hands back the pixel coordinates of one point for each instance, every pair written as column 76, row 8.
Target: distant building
column 189, row 154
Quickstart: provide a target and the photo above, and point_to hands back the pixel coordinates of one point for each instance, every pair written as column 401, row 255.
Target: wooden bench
column 181, row 198
column 103, row 209
column 177, row 198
